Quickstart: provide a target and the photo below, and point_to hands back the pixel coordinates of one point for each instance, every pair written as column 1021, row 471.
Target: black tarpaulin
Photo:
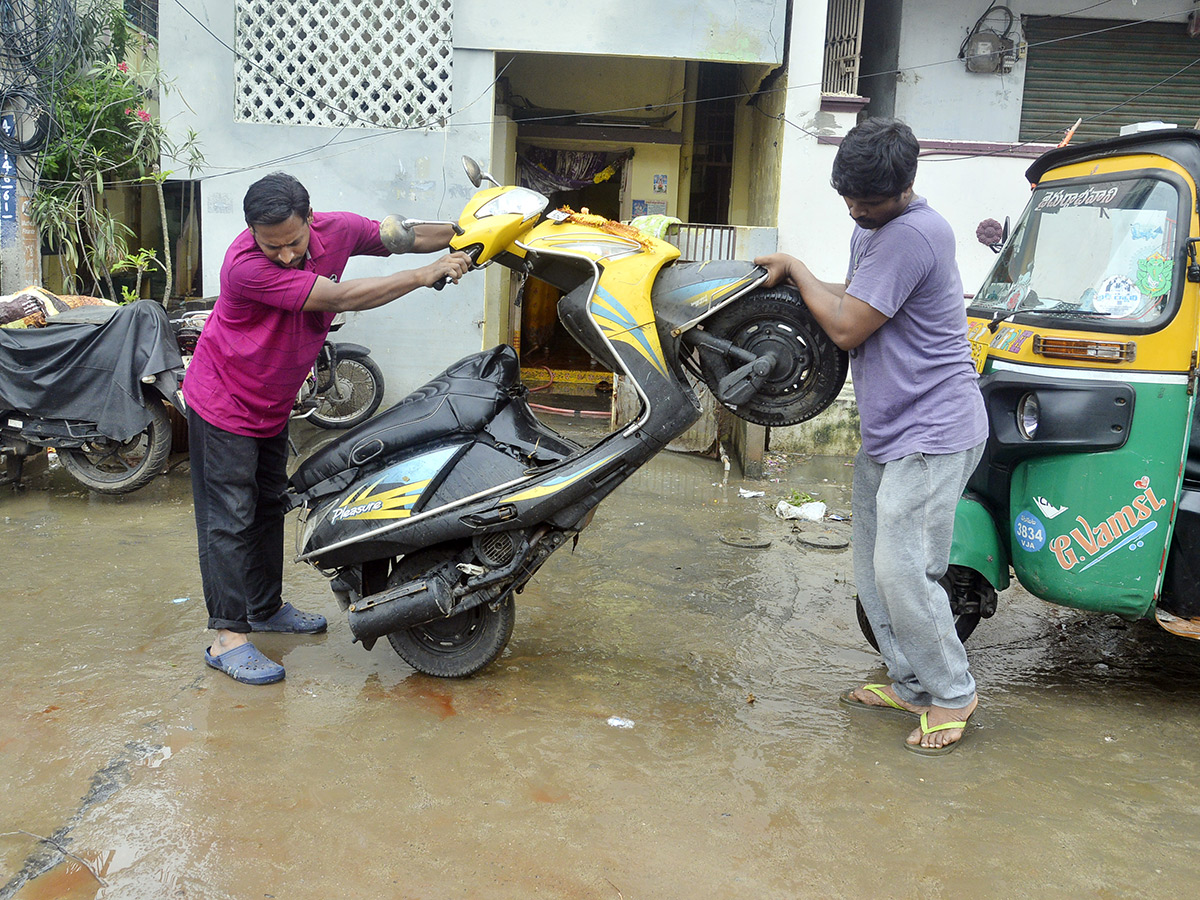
column 88, row 365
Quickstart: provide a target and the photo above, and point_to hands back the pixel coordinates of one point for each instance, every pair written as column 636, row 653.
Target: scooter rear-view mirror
column 476, row 174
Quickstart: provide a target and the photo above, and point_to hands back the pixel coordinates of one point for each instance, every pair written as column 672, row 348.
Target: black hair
column 275, row 198
column 877, row 158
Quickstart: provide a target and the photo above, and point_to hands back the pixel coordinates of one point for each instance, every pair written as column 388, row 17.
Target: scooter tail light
column 1077, row 348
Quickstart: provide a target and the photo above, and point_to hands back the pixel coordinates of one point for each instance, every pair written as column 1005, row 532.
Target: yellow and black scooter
column 432, row 515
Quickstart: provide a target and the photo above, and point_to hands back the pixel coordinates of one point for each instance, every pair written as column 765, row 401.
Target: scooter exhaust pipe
column 406, row 605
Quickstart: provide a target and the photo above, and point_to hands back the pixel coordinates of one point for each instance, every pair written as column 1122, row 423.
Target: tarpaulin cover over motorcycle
column 87, row 366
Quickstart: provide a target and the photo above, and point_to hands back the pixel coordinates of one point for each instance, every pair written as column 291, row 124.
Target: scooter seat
column 459, row 401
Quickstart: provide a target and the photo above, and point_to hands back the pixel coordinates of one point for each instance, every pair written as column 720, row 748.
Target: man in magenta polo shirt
column 280, row 291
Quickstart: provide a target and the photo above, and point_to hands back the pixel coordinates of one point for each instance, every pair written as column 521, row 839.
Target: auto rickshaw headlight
column 1029, row 413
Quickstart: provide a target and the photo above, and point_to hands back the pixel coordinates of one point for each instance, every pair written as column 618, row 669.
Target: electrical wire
column 63, row 9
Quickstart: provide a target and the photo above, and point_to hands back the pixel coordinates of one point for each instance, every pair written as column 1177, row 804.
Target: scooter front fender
column 977, row 543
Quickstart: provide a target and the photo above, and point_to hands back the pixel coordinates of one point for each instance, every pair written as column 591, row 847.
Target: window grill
column 143, row 15
column 843, row 47
column 366, row 63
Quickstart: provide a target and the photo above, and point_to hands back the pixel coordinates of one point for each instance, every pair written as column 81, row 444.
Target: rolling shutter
column 1069, row 77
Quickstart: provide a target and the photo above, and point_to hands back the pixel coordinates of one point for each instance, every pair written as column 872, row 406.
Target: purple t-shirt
column 259, row 344
column 914, row 381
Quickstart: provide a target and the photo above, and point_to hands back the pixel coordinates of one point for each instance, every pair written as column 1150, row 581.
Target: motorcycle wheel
column 460, row 645
column 457, row 646
column 964, row 623
column 810, row 369
column 118, row 467
column 360, row 384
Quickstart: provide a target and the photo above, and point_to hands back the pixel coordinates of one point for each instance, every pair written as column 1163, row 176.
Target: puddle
column 686, row 609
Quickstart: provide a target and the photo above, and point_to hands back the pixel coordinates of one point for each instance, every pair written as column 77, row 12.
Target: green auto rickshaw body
column 1087, row 334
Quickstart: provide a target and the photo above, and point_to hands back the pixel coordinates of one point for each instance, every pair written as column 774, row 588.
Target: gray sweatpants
column 903, row 518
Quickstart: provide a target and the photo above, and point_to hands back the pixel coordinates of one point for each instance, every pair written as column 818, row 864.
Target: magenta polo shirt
column 258, row 344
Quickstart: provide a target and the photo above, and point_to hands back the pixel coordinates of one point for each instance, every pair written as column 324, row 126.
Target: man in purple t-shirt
column 901, row 315
column 280, row 290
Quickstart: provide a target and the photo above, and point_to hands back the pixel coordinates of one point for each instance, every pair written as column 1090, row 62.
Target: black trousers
column 238, row 484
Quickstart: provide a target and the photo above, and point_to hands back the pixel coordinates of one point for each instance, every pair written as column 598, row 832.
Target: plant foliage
column 102, row 134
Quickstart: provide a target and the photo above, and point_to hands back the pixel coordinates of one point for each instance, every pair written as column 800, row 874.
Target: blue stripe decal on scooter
column 688, row 291
column 630, row 330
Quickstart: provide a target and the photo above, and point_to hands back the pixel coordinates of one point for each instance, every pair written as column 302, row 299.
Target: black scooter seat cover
column 459, row 401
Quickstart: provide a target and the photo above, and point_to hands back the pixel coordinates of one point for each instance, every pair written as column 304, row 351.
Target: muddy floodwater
column 663, row 724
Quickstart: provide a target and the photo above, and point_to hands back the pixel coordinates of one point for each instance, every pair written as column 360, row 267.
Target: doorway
column 552, row 363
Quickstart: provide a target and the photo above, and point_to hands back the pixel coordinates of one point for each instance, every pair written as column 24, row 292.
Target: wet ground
column 662, row 725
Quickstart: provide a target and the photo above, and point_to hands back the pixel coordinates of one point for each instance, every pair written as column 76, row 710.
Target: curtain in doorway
column 547, row 171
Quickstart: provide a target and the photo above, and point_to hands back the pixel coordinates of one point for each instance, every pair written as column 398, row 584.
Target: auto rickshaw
column 1085, row 337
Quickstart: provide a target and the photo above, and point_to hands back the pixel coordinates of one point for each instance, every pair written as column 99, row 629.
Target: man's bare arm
column 369, row 293
column 846, row 319
column 431, row 238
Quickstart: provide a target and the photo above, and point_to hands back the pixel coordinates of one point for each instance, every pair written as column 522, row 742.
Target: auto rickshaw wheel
column 971, row 599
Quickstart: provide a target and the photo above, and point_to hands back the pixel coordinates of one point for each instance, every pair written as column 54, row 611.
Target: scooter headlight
column 517, row 201
column 1029, row 414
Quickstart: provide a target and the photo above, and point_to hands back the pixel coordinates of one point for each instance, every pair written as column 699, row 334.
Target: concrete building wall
column 369, row 171
column 940, row 99
column 731, row 31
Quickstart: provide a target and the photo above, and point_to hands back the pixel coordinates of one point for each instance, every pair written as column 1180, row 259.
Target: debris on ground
column 813, row 511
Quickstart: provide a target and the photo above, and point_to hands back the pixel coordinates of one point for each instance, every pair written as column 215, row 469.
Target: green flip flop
column 936, row 751
column 892, row 706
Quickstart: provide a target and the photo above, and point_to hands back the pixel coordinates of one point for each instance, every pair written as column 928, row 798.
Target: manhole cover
column 823, row 540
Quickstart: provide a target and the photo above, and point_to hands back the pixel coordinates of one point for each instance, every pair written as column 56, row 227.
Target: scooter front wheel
column 460, row 645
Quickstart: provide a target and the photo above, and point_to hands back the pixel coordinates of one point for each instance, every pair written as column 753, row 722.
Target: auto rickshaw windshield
column 1102, row 251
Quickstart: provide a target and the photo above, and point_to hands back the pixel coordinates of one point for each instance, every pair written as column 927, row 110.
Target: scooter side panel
column 1090, row 530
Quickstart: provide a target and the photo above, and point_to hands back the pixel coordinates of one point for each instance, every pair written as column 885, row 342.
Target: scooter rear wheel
column 460, row 645
column 809, row 370
column 118, row 467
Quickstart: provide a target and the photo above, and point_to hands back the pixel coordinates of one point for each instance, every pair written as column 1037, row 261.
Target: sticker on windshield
column 1117, row 296
column 1019, row 292
column 1154, row 274
column 1145, row 232
column 1088, row 196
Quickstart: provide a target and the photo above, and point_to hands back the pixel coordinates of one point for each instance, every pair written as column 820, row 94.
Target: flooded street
column 663, row 724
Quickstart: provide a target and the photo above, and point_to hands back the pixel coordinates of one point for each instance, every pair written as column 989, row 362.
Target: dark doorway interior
column 712, row 154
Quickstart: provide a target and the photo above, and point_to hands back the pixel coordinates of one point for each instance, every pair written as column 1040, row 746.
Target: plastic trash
column 746, row 494
column 618, row 722
column 810, row 512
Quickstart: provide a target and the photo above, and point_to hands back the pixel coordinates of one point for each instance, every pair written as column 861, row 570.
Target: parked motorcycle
column 344, row 388
column 91, row 384
column 430, row 517
column 1085, row 333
